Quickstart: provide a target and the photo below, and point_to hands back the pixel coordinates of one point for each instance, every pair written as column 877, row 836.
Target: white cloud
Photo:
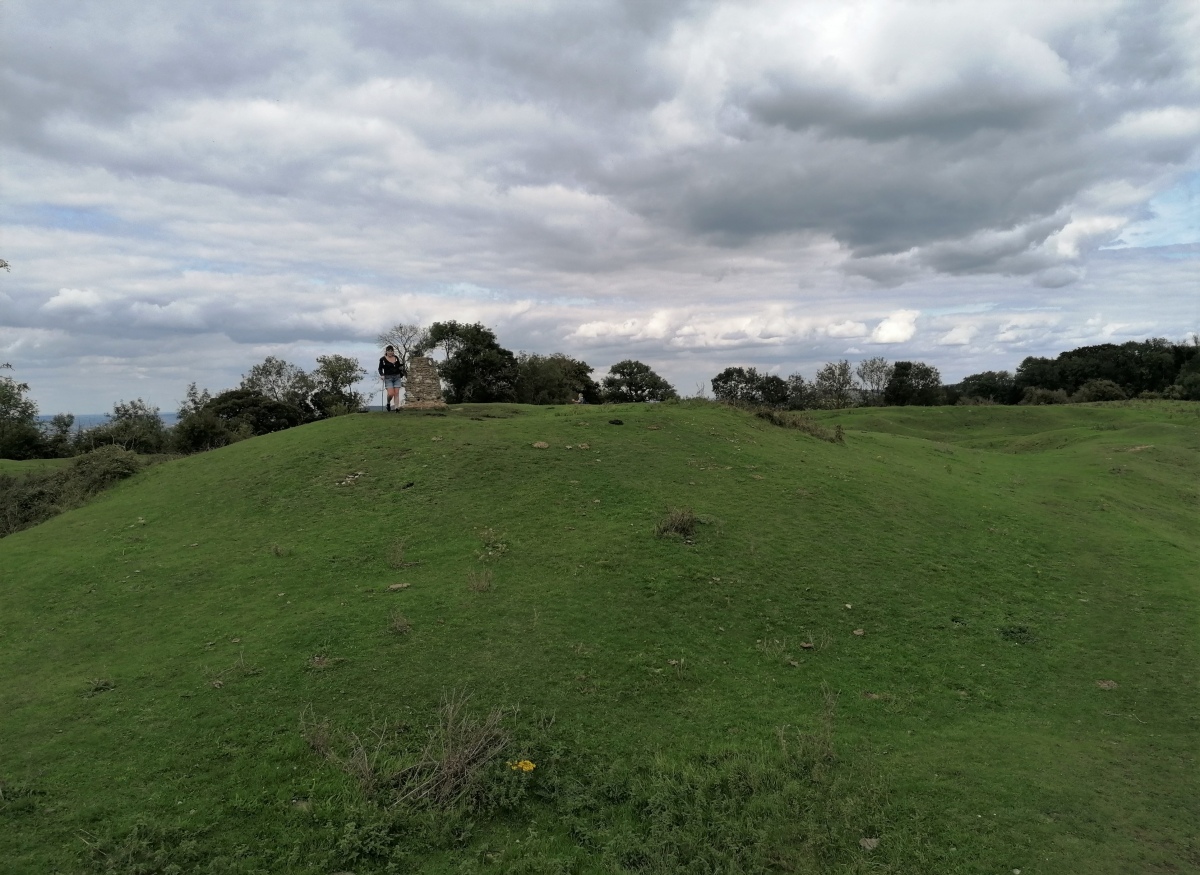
column 73, row 300
column 897, row 328
column 847, row 328
column 960, row 335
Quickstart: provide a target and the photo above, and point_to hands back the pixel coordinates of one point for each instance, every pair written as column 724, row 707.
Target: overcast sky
column 189, row 187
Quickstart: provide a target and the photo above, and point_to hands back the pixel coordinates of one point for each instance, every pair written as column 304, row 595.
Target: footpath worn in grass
column 962, row 641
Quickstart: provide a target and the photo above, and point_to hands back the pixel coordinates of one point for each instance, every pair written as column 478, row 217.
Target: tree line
column 275, row 394
column 1148, row 369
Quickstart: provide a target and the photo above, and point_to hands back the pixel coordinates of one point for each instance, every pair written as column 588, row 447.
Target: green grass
column 13, row 467
column 202, row 668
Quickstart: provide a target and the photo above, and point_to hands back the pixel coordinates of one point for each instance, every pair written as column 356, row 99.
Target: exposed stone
column 422, row 386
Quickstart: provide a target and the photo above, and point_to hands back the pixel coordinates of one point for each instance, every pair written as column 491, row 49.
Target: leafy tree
column 335, row 377
column 1036, row 371
column 409, row 339
column 998, row 387
column 201, row 430
column 58, row 434
column 748, row 386
column 477, row 369
column 835, row 385
column 134, row 425
column 282, row 381
column 914, row 383
column 554, row 379
column 874, row 374
column 195, row 399
column 802, row 394
column 631, row 380
column 20, row 437
column 258, row 414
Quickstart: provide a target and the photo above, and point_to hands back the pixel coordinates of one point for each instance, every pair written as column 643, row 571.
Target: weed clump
column 678, row 521
column 800, row 422
column 398, row 624
column 479, row 581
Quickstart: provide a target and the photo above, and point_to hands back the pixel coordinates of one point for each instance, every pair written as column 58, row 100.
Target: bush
column 678, row 521
column 1098, row 390
column 800, row 422
column 1035, row 395
column 36, row 497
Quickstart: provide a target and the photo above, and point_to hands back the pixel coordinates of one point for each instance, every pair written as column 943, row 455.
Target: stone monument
column 422, row 386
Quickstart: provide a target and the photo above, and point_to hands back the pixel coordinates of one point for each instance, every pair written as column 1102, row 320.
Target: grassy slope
column 1000, row 561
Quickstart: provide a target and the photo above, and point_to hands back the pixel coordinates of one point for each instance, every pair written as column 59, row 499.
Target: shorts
column 392, row 381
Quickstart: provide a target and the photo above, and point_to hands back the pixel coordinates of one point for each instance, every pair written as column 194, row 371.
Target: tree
column 554, row 379
column 242, row 409
column 20, row 437
column 631, row 380
column 914, row 383
column 334, row 378
column 748, row 386
column 835, row 385
column 281, row 381
column 995, row 386
column 409, row 339
column 873, row 374
column 801, row 394
column 477, row 369
column 134, row 425
column 194, row 400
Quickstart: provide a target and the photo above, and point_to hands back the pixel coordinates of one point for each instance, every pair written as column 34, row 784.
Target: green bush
column 33, row 498
column 1035, row 395
column 1099, row 390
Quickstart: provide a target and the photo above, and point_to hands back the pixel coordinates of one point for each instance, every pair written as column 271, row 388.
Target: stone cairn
column 422, row 386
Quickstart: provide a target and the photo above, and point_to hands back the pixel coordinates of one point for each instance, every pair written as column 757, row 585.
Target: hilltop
column 962, row 641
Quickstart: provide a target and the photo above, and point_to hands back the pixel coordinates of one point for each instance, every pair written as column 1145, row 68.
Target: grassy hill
column 963, row 641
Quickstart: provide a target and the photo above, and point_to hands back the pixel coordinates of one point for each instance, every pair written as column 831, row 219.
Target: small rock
column 807, row 645
column 396, row 587
column 848, row 607
column 541, row 445
column 868, row 844
column 1107, row 685
column 860, row 632
column 585, row 446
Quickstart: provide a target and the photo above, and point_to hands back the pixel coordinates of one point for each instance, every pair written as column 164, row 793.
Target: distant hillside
column 962, row 641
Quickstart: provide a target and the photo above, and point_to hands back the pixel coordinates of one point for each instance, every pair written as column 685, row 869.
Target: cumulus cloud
column 897, row 328
column 678, row 180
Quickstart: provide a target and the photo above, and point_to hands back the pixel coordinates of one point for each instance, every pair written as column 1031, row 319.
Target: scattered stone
column 793, row 663
column 396, row 587
column 848, row 607
column 585, row 446
column 807, row 645
column 1107, row 685
column 541, row 445
column 868, row 844
column 860, row 632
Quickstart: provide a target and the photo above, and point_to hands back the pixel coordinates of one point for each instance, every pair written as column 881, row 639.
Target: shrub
column 800, row 422
column 33, row 498
column 1098, row 390
column 1036, row 395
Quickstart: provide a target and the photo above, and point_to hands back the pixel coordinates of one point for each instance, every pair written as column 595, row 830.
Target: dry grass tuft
column 678, row 521
column 458, row 750
column 398, row 624
column 479, row 581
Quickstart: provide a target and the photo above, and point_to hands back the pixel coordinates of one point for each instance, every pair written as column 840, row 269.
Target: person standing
column 391, row 370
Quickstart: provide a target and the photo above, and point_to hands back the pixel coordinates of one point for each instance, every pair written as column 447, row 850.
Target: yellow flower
column 522, row 766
